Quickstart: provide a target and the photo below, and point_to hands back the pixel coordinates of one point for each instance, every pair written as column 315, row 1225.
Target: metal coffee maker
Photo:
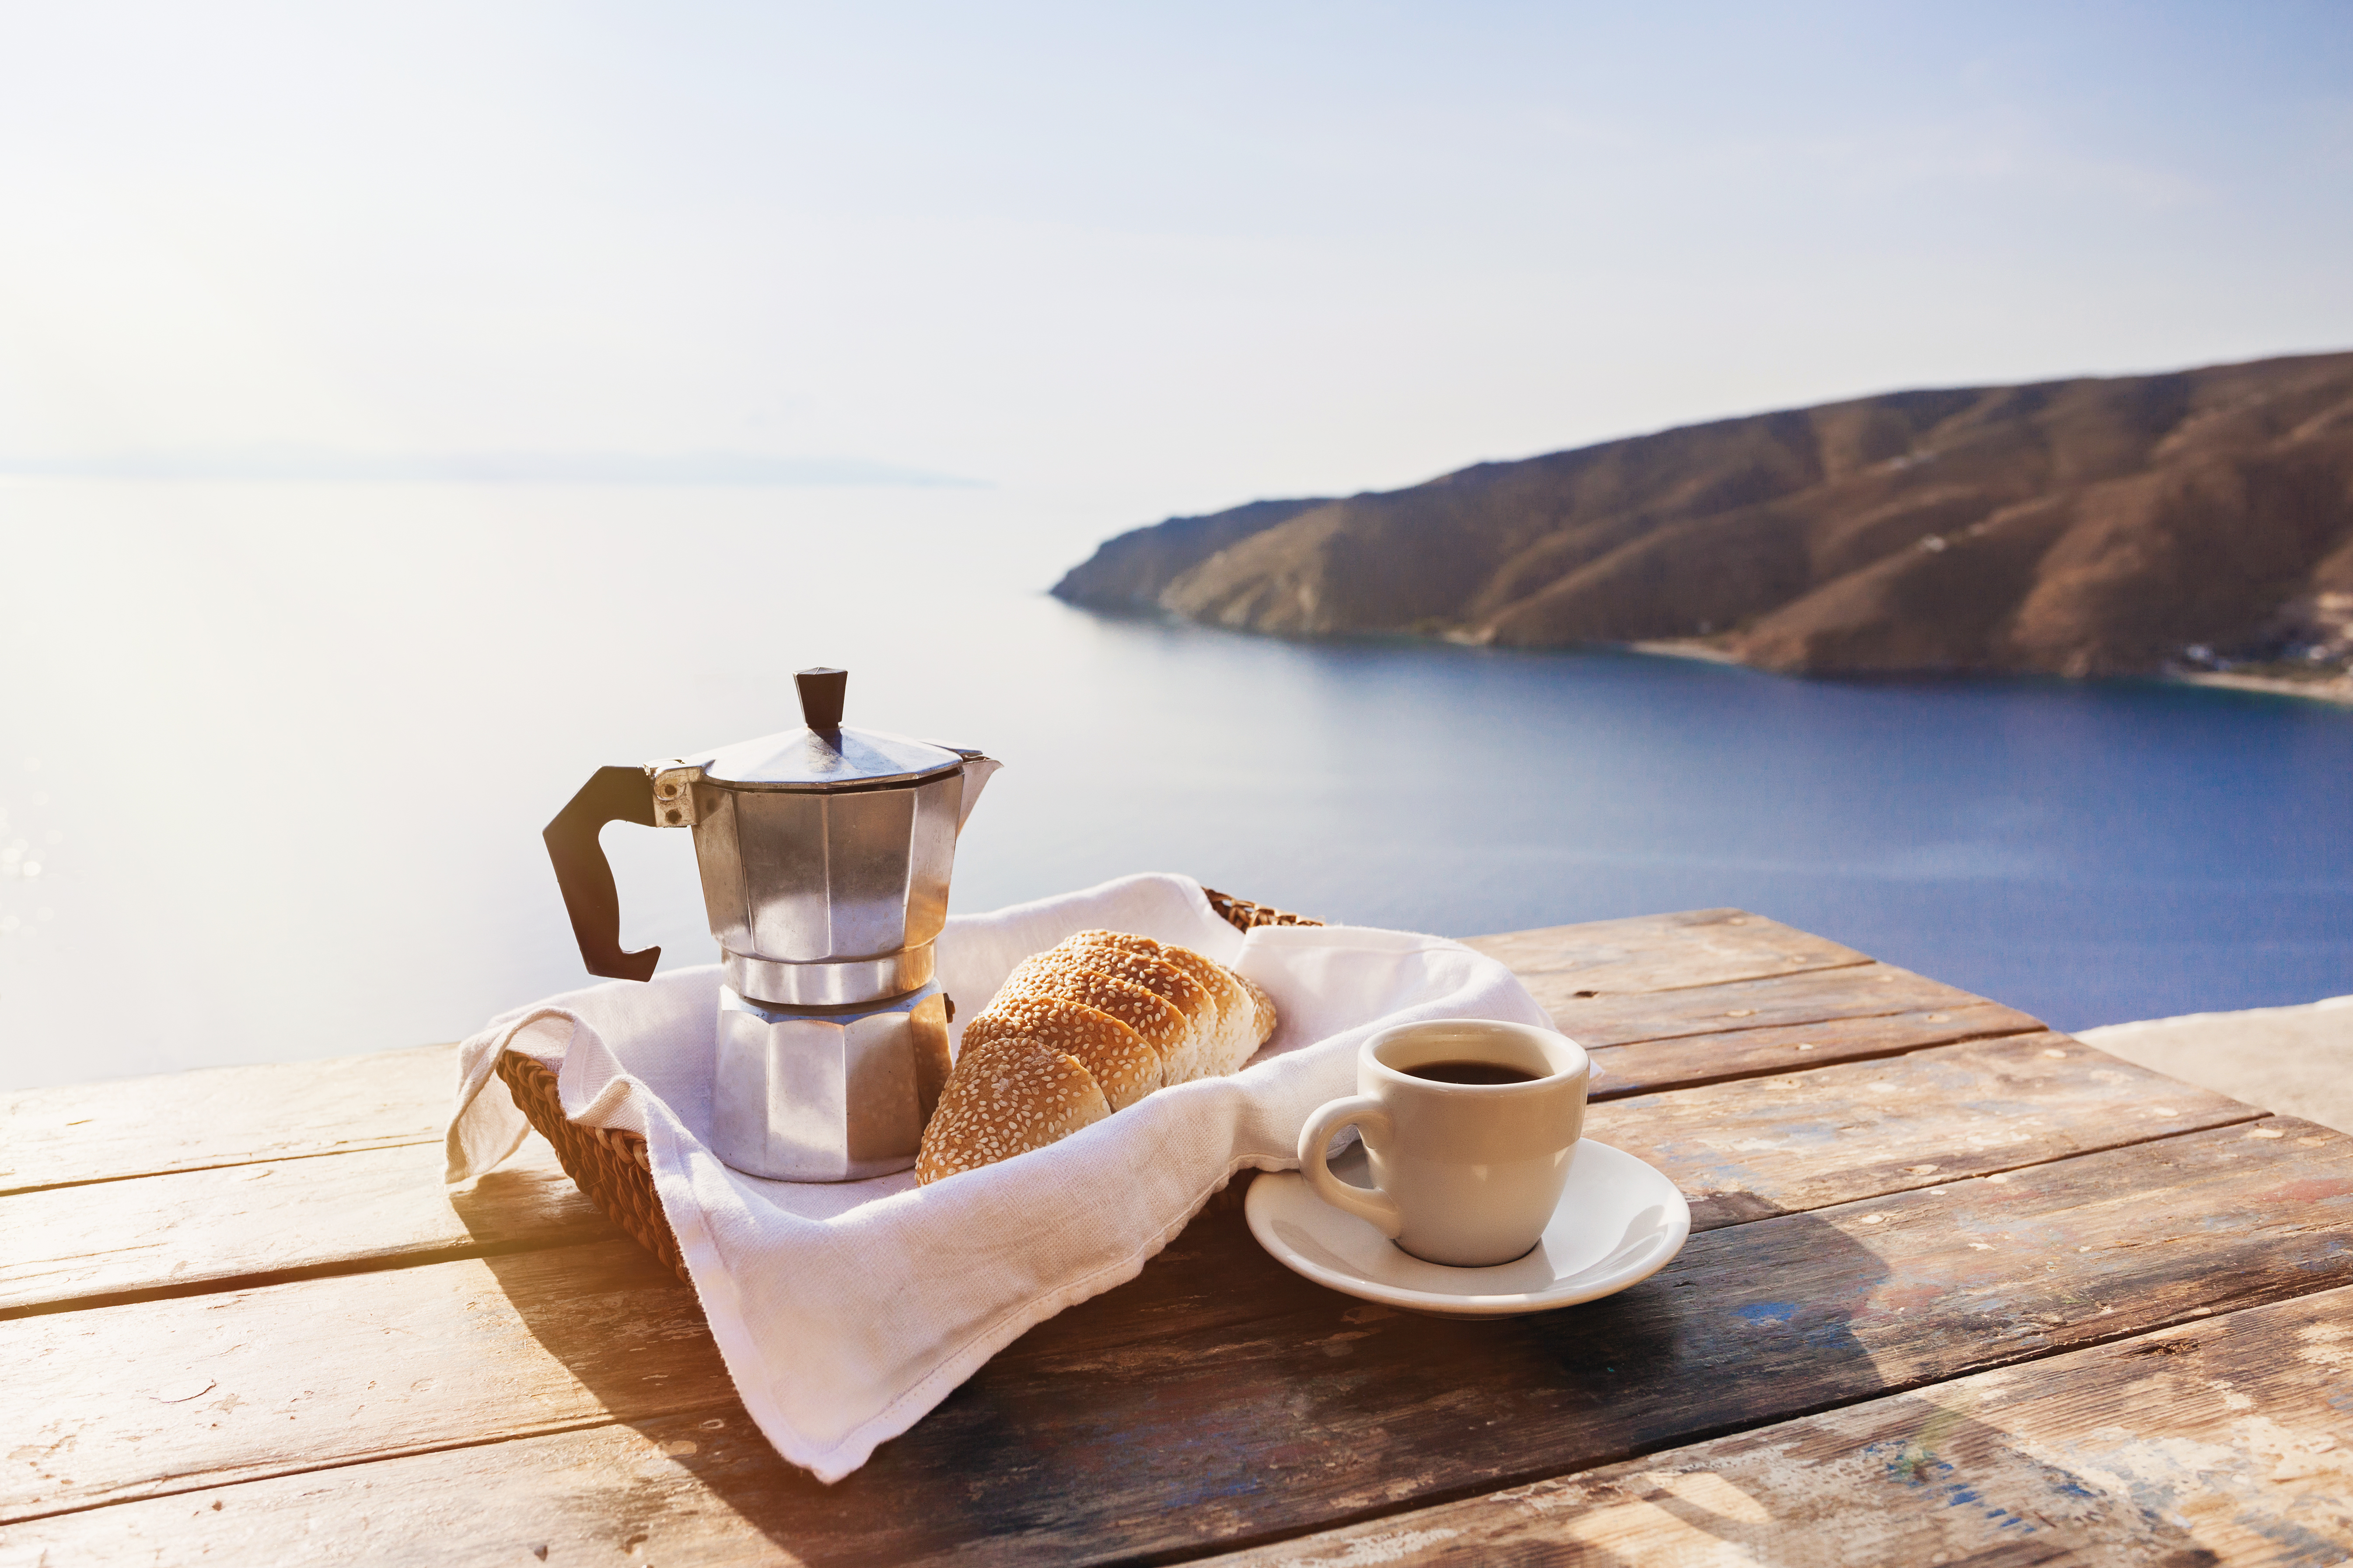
column 824, row 854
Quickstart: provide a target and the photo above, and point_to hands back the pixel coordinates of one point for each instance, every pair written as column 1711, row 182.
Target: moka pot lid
column 825, row 753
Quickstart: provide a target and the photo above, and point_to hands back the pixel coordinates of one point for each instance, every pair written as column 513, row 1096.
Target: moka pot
column 824, row 854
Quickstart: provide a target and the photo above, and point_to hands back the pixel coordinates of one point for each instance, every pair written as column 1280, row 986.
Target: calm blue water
column 281, row 754
column 2089, row 853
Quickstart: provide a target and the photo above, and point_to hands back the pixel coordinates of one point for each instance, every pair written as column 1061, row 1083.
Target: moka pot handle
column 611, row 794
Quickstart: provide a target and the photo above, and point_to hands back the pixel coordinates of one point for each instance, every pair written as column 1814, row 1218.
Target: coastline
column 2339, row 690
column 1682, row 648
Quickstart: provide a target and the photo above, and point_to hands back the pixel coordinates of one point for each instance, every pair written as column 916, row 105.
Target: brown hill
column 1130, row 571
column 2079, row 527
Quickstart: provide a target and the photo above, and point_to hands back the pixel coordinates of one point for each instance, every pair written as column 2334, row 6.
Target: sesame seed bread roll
column 1246, row 1013
column 1056, row 973
column 1008, row 1096
column 1121, row 1062
column 1260, row 1027
column 1083, row 1030
column 1173, row 986
column 1236, row 1014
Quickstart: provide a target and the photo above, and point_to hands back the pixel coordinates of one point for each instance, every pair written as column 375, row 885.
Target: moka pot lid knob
column 824, row 753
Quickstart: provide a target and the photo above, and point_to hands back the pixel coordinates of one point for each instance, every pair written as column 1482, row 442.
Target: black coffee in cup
column 1466, row 1176
column 1470, row 1072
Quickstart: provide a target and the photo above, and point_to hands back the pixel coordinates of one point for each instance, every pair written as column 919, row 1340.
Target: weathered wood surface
column 2227, row 1436
column 227, row 1222
column 2230, row 1439
column 1808, row 1140
column 490, row 1389
column 223, row 1116
column 1647, row 1067
column 1738, row 1150
column 1662, row 952
column 1668, row 1000
column 1865, row 991
column 1745, row 1150
column 153, row 1397
column 110, row 1241
column 1219, row 1398
column 227, row 1116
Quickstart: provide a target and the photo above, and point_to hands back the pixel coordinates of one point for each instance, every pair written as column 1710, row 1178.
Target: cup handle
column 1376, row 1207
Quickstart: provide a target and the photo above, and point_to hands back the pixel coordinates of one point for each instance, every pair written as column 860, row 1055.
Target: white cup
column 1463, row 1174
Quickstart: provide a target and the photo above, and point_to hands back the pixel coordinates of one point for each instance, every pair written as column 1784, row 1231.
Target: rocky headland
column 2195, row 521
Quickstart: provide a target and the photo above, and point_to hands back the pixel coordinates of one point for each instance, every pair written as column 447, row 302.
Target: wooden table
column 1959, row 1290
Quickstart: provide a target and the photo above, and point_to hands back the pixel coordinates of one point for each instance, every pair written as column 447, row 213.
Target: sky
column 926, row 300
column 1139, row 261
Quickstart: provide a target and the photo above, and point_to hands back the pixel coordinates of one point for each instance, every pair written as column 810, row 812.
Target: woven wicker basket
column 610, row 1165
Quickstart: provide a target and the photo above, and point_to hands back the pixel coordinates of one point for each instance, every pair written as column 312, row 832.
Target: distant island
column 2199, row 523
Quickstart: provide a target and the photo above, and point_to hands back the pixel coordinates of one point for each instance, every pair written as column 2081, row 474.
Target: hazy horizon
column 1146, row 265
column 304, row 464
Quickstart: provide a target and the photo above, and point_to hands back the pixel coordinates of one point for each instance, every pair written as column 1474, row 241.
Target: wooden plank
column 220, row 1115
column 2142, row 1451
column 1335, row 1408
column 103, row 1405
column 223, row 1116
column 1740, row 1151
column 1221, row 1398
column 1863, row 991
column 1808, row 1140
column 110, row 1241
column 1649, row 1065
column 2230, row 1440
column 1663, row 952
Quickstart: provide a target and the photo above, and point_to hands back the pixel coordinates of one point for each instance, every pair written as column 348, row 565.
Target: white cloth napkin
column 846, row 1311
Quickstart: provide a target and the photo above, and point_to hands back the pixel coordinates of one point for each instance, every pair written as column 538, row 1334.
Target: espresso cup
column 1464, row 1173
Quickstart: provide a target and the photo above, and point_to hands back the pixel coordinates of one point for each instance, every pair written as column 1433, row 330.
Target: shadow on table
column 1218, row 1398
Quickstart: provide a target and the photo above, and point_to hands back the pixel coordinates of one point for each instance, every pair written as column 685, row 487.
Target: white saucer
column 1619, row 1222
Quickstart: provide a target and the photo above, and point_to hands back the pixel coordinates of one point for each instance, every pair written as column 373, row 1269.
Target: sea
column 275, row 758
